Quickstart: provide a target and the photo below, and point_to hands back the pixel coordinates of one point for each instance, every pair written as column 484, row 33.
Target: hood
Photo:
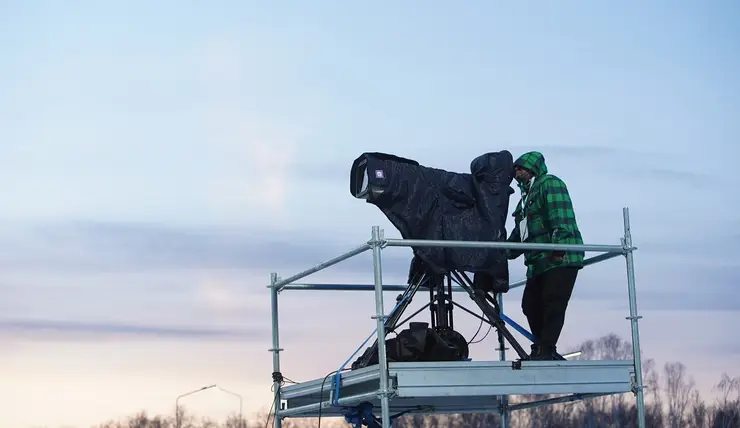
column 533, row 161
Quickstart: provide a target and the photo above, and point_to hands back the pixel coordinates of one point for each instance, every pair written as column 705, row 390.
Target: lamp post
column 241, row 420
column 178, row 418
column 177, row 402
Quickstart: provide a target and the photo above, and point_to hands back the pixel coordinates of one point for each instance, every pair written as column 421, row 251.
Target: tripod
column 441, row 309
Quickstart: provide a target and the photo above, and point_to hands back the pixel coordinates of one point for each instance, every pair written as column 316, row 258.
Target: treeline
column 671, row 401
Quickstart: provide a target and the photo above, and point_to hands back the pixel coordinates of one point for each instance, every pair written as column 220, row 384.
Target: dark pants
column 544, row 302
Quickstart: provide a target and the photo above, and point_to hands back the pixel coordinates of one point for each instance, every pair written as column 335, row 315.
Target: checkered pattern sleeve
column 560, row 215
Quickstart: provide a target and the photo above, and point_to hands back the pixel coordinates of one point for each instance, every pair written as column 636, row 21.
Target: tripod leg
column 391, row 322
column 408, row 295
column 448, row 303
column 493, row 315
column 496, row 321
column 432, row 308
column 440, row 304
column 417, row 276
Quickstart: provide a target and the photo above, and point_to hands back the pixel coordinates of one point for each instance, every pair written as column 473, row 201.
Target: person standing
column 545, row 215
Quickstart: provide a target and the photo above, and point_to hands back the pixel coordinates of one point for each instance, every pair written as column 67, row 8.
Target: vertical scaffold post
column 504, row 412
column 637, row 353
column 377, row 239
column 275, row 349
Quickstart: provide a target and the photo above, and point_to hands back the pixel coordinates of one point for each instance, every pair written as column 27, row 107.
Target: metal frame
column 463, row 387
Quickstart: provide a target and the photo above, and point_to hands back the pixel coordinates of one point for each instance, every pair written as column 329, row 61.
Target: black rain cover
column 429, row 203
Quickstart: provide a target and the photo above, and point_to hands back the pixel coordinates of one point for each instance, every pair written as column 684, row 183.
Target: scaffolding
column 455, row 386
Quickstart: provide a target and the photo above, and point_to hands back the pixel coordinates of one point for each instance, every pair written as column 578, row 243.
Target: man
column 545, row 215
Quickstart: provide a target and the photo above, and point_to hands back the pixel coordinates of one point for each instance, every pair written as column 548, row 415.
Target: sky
column 160, row 159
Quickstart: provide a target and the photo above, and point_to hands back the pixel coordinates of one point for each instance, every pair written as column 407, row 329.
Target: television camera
column 434, row 204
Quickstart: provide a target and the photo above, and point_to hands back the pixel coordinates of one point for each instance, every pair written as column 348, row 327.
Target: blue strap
column 521, row 330
column 338, row 375
column 517, row 327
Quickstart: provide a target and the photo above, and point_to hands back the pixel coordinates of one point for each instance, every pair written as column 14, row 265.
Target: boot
column 544, row 353
column 535, row 351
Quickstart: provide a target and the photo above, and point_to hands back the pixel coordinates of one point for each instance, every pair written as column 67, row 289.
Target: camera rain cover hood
column 429, row 203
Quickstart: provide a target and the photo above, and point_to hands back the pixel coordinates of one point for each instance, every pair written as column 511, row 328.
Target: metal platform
column 455, row 387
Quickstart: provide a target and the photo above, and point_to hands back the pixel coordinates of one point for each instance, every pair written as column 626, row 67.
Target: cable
column 477, row 331
column 272, row 406
column 287, row 380
column 321, row 392
column 482, row 338
column 281, row 380
column 480, row 325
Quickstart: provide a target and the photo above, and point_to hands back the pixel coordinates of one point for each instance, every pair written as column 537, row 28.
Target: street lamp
column 177, row 402
column 241, row 420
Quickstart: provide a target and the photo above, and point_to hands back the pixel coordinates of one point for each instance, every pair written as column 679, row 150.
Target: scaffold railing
column 378, row 243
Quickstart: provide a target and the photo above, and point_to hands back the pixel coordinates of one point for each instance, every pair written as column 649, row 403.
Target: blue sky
column 160, row 160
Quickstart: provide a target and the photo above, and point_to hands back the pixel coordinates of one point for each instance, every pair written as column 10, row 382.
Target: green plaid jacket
column 550, row 218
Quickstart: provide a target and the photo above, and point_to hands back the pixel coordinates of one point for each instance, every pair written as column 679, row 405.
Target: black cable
column 272, row 406
column 458, row 280
column 480, row 325
column 321, row 393
column 484, row 336
column 281, row 380
column 289, row 381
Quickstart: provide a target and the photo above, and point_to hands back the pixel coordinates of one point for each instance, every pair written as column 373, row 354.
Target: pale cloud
column 218, row 296
column 45, row 329
column 257, row 152
column 260, row 182
column 232, row 298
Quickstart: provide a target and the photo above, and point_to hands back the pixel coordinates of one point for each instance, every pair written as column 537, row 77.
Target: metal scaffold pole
column 376, row 244
column 504, row 410
column 275, row 348
column 634, row 318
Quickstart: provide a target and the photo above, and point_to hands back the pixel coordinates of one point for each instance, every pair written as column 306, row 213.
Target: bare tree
column 234, row 421
column 653, row 398
column 412, row 421
column 727, row 408
column 678, row 390
column 698, row 412
column 610, row 410
column 182, row 418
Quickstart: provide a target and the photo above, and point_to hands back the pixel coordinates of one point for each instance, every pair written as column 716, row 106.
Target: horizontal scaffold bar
column 503, row 245
column 321, row 266
column 555, row 400
column 395, row 287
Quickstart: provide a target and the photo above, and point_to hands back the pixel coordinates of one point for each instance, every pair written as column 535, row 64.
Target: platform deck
column 456, row 387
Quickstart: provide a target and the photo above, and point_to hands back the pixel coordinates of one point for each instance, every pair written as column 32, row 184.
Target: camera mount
column 441, row 310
